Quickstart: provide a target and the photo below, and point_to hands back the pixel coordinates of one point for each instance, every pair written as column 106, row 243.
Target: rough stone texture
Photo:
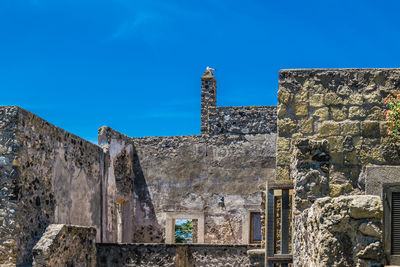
column 179, row 255
column 374, row 177
column 342, row 231
column 309, row 170
column 208, row 98
column 348, row 110
column 191, row 174
column 233, row 120
column 242, row 120
column 339, row 231
column 66, row 245
column 47, row 176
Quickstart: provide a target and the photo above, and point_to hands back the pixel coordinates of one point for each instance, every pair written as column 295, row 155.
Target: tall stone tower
column 208, row 97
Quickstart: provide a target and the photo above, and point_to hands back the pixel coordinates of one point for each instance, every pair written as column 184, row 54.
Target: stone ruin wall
column 346, row 108
column 242, row 120
column 232, row 120
column 190, row 174
column 168, row 255
column 338, row 231
column 66, row 245
column 47, row 176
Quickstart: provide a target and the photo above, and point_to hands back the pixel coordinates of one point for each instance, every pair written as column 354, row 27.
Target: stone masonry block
column 376, row 113
column 339, row 114
column 301, row 96
column 284, row 96
column 307, row 126
column 322, row 114
column 282, row 173
column 329, row 128
column 351, row 158
column 286, row 126
column 301, row 109
column 337, row 158
column 317, row 100
column 373, row 98
column 332, row 99
column 283, row 158
column 283, row 144
column 356, row 99
column 370, row 128
column 357, row 112
column 350, row 128
column 335, row 143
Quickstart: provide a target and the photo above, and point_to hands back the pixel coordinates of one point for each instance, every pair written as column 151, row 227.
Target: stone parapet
column 180, row 255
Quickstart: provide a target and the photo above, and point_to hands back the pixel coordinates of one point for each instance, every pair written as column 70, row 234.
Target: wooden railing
column 272, row 258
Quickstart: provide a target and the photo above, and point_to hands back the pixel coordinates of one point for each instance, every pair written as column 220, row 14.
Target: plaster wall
column 191, row 175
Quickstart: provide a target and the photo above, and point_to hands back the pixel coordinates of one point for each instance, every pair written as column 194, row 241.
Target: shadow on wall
column 147, row 229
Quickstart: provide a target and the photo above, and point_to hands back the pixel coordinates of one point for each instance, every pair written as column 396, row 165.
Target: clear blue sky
column 136, row 65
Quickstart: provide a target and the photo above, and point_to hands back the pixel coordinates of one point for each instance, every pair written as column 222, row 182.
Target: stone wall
column 339, row 231
column 344, row 107
column 232, row 120
column 9, row 208
column 66, row 245
column 172, row 255
column 220, row 177
column 242, row 120
column 47, row 176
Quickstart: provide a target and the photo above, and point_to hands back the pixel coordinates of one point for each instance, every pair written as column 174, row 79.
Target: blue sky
column 136, row 65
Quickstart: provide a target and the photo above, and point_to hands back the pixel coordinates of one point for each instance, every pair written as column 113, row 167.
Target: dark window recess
column 395, row 222
column 255, row 227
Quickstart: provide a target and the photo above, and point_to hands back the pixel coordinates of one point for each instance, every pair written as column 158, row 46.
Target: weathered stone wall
column 172, row 255
column 208, row 98
column 339, row 231
column 66, row 245
column 242, row 120
column 191, row 174
column 344, row 107
column 48, row 176
column 232, row 120
column 9, row 209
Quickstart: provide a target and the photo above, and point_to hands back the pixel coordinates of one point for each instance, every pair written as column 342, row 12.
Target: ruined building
column 329, row 169
column 132, row 189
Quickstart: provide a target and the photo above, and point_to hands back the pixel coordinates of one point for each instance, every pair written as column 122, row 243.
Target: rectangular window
column 183, row 231
column 255, row 227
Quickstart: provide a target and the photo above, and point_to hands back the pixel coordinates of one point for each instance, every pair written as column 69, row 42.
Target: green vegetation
column 183, row 232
